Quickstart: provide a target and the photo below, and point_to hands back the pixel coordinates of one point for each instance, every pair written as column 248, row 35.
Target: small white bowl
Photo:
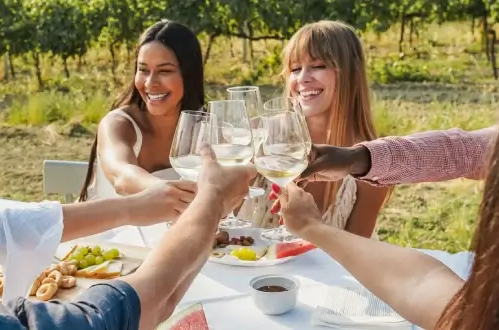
column 275, row 303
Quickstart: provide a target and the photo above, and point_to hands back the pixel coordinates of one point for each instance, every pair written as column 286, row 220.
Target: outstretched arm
column 415, row 285
column 149, row 295
column 430, row 156
column 423, row 157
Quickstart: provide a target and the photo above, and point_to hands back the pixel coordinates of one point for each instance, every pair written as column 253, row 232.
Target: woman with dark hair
column 131, row 150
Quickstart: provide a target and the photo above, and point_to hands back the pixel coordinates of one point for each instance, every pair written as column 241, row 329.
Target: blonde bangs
column 308, row 44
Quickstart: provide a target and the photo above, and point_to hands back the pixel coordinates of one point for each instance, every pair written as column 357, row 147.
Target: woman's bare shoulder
column 114, row 124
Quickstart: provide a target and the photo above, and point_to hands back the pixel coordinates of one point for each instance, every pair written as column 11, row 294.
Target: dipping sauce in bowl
column 275, row 294
column 272, row 288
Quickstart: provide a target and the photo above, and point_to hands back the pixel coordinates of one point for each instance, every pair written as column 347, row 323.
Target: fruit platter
column 244, row 247
column 79, row 265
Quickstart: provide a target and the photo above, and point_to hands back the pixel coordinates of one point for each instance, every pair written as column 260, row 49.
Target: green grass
column 442, row 81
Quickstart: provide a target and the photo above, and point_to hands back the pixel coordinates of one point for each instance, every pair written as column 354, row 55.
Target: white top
column 101, row 188
column 29, row 236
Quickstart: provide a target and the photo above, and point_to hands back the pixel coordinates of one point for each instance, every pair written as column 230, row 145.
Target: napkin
column 352, row 306
column 29, row 236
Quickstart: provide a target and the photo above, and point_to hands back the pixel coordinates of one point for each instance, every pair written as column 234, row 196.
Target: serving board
column 132, row 257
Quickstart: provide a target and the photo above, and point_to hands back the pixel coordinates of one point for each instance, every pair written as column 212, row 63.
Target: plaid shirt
column 430, row 156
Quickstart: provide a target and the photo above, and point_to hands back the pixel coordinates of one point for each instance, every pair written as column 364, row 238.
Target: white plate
column 258, row 244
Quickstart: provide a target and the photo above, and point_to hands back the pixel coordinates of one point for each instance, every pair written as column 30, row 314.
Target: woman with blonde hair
column 324, row 70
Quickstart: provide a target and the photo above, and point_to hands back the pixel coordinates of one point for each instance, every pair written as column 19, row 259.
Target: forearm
column 415, row 285
column 187, row 245
column 92, row 217
column 131, row 179
column 429, row 157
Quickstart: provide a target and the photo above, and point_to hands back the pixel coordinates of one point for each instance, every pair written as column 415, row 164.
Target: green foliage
column 389, row 72
column 68, row 28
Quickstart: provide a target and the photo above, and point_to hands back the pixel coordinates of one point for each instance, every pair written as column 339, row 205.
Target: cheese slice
column 113, row 270
column 94, row 270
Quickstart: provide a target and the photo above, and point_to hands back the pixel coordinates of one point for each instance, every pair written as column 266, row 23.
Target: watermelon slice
column 284, row 250
column 191, row 318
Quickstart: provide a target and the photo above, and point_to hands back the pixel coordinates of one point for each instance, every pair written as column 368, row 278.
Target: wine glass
column 254, row 108
column 232, row 143
column 290, row 104
column 281, row 158
column 193, row 129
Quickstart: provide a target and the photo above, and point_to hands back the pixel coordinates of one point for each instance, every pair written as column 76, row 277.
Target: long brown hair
column 337, row 46
column 184, row 43
column 476, row 305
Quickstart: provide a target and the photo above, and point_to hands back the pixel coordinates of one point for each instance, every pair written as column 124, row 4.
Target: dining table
column 225, row 292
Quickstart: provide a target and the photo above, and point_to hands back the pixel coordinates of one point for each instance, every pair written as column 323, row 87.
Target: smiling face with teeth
column 158, row 79
column 312, row 83
column 324, row 66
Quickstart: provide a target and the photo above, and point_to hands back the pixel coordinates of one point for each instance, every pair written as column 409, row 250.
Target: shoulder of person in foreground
column 429, row 156
column 110, row 305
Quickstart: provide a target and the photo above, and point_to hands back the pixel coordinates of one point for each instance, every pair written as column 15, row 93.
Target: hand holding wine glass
column 281, row 158
column 232, row 142
column 298, row 208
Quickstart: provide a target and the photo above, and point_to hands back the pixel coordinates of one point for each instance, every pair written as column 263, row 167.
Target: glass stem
column 231, row 217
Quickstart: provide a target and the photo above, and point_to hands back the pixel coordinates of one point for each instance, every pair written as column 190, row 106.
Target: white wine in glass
column 232, row 143
column 254, row 108
column 193, row 129
column 290, row 104
column 281, row 158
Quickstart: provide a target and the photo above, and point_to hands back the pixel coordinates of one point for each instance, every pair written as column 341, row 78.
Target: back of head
column 476, row 305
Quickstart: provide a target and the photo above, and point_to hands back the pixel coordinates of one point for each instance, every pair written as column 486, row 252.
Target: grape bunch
column 90, row 256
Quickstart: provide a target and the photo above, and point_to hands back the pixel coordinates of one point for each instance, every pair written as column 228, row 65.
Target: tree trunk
column 65, row 63
column 36, row 58
column 208, row 49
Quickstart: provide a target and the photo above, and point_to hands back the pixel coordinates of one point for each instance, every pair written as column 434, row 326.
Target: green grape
column 83, row 250
column 96, row 250
column 83, row 264
column 90, row 258
column 99, row 260
column 115, row 252
column 77, row 256
column 108, row 255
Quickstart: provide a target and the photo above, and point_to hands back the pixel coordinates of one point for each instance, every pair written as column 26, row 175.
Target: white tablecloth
column 224, row 290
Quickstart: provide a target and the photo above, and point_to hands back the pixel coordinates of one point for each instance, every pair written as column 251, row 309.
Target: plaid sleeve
column 430, row 156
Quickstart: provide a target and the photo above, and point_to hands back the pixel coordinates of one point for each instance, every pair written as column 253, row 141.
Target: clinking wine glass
column 281, row 158
column 193, row 129
column 290, row 104
column 232, row 143
column 254, row 108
